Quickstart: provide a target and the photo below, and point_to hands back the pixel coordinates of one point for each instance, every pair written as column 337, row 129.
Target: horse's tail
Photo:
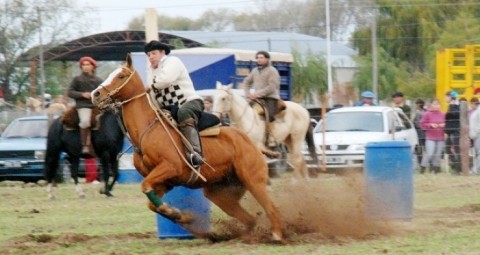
column 311, row 146
column 52, row 156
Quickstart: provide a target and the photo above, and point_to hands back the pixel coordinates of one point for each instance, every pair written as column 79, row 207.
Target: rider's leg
column 85, row 115
column 271, row 105
column 188, row 115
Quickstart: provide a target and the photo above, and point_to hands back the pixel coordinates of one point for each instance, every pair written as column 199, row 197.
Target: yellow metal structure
column 459, row 70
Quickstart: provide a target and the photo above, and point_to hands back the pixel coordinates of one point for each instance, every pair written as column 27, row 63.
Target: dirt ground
column 330, row 210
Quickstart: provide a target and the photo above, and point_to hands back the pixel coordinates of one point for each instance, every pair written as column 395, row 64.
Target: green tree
column 391, row 74
column 407, row 29
column 309, row 74
column 20, row 24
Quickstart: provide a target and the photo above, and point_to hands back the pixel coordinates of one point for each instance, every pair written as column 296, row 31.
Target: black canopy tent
column 110, row 46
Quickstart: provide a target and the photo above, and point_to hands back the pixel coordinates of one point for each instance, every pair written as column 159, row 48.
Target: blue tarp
column 206, row 69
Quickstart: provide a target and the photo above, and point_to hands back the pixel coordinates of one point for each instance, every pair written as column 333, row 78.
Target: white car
column 341, row 137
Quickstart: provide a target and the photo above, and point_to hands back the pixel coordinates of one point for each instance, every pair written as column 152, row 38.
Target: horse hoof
column 277, row 239
column 185, row 218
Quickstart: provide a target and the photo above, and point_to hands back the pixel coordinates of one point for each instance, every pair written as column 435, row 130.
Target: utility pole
column 329, row 62
column 374, row 56
column 42, row 67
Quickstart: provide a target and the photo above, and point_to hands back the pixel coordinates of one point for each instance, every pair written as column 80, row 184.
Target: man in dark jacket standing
column 80, row 89
column 452, row 129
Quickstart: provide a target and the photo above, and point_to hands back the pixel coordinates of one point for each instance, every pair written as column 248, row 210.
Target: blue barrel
column 129, row 176
column 185, row 199
column 126, row 171
column 388, row 173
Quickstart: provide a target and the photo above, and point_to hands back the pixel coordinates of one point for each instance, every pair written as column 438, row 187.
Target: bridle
column 110, row 102
column 244, row 111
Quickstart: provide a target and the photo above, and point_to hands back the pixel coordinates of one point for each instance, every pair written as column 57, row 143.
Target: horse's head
column 222, row 103
column 121, row 86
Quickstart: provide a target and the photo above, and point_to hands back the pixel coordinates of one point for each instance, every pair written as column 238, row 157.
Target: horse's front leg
column 153, row 187
column 74, row 163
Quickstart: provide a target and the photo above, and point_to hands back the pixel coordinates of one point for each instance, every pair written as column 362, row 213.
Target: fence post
column 464, row 139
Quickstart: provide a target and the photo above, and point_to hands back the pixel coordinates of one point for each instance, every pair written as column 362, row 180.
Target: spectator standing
column 80, row 89
column 473, row 106
column 367, row 99
column 433, row 123
column 452, row 129
column 474, row 133
column 417, row 117
column 399, row 101
column 208, row 103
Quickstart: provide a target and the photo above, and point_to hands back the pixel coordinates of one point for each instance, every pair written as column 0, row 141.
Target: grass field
column 323, row 216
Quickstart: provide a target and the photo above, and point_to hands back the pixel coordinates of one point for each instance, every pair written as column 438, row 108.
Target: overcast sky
column 115, row 15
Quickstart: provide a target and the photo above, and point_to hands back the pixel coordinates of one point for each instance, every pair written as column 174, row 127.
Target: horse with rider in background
column 64, row 136
column 291, row 126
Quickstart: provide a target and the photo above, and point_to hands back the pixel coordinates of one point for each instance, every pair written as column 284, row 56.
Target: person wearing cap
column 367, row 99
column 79, row 90
column 399, row 101
column 452, row 130
column 265, row 81
column 170, row 84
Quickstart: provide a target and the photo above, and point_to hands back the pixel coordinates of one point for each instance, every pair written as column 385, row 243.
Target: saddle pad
column 211, row 131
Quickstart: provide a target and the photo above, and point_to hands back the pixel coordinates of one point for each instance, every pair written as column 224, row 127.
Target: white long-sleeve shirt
column 474, row 124
column 171, row 82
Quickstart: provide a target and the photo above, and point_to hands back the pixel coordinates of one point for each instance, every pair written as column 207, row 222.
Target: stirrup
column 196, row 160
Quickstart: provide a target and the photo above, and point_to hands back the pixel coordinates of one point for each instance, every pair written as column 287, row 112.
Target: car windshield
column 353, row 121
column 26, row 129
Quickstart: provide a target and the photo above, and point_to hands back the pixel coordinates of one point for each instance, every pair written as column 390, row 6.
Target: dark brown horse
column 235, row 164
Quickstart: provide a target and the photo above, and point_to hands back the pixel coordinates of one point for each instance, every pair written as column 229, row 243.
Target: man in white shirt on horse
column 171, row 85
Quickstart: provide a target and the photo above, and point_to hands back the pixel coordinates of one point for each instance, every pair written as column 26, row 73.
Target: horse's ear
column 229, row 86
column 129, row 60
column 219, row 85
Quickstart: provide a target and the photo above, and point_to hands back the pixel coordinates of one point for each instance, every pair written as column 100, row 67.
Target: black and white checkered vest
column 171, row 95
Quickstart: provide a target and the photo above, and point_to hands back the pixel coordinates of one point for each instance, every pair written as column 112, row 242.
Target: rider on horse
column 265, row 81
column 80, row 89
column 170, row 84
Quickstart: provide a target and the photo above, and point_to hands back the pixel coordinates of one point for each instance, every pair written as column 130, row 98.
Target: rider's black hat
column 156, row 45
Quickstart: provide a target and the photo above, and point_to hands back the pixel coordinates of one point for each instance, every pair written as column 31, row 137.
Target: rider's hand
column 86, row 95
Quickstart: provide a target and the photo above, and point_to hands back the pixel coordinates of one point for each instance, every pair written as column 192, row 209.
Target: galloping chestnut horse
column 235, row 163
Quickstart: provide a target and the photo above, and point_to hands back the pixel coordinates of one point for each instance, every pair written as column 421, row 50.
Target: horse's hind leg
column 295, row 156
column 227, row 198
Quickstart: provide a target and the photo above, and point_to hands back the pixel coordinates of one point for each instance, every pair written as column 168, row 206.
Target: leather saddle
column 208, row 124
column 261, row 108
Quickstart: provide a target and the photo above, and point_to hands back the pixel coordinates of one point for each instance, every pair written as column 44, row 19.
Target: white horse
column 290, row 128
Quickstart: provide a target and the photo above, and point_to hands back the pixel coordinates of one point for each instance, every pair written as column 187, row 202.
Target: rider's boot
column 85, row 136
column 271, row 142
column 188, row 129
